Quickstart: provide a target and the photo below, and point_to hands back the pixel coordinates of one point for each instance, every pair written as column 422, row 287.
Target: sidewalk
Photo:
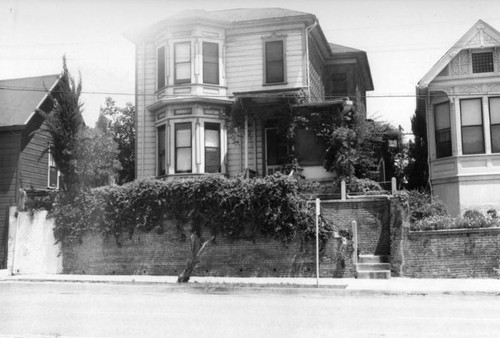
column 393, row 286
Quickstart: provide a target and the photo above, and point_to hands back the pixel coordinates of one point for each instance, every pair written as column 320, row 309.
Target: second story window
column 471, row 114
column 443, row 129
column 482, row 62
column 339, row 85
column 210, row 63
column 274, row 63
column 160, row 67
column 182, row 62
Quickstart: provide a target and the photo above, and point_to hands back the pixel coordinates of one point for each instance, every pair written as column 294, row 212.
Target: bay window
column 471, row 115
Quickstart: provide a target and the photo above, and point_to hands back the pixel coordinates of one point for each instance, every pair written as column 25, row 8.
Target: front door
column 276, row 150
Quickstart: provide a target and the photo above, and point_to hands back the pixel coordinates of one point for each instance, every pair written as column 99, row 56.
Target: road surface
column 104, row 310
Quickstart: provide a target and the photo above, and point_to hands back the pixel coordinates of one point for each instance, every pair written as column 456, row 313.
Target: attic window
column 482, row 62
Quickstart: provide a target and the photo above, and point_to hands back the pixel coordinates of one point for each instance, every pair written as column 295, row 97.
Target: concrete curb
column 328, row 287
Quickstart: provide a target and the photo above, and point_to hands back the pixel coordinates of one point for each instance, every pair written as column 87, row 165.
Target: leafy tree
column 97, row 163
column 119, row 122
column 63, row 124
column 418, row 169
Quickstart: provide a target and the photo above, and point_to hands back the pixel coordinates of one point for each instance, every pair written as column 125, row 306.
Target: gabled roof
column 480, row 35
column 339, row 49
column 20, row 98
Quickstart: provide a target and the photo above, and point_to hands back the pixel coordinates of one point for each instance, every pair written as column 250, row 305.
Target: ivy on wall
column 233, row 208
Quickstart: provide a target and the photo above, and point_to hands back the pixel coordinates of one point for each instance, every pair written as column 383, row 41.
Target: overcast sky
column 403, row 40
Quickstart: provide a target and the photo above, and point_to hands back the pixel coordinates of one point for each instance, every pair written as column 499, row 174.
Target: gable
column 456, row 61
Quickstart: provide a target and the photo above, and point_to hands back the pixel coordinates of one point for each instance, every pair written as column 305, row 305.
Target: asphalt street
column 108, row 310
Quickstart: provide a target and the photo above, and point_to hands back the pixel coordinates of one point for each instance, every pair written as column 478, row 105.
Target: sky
column 403, row 40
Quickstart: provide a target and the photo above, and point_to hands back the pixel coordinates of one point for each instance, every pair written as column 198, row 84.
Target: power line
column 385, row 96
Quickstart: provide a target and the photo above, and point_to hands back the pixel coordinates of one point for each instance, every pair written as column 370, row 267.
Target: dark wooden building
column 25, row 159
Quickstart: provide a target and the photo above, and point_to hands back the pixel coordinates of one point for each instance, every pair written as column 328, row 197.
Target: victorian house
column 194, row 67
column 460, row 98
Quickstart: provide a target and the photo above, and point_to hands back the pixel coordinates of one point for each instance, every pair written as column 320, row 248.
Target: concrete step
column 373, row 267
column 373, row 259
column 374, row 275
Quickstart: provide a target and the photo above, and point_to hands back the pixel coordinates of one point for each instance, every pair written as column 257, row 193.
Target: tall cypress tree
column 63, row 123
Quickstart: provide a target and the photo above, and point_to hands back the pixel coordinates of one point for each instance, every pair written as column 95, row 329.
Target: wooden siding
column 236, row 147
column 146, row 133
column 34, row 156
column 244, row 59
column 10, row 143
column 317, row 73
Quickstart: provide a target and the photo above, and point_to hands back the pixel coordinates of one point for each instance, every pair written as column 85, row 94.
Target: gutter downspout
column 308, row 73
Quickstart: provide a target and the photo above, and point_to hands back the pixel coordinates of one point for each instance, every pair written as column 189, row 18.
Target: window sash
column 494, row 105
column 53, row 174
column 274, row 62
column 442, row 126
column 183, row 148
column 160, row 67
column 212, row 148
column 182, row 62
column 472, row 126
column 162, row 150
column 210, row 63
column 482, row 62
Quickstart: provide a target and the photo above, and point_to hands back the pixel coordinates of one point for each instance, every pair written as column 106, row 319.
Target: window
column 308, row 148
column 182, row 61
column 482, row 62
column 494, row 104
column 183, row 148
column 53, row 175
column 212, row 148
column 443, row 129
column 161, row 151
column 210, row 63
column 160, row 67
column 274, row 62
column 472, row 126
column 339, row 84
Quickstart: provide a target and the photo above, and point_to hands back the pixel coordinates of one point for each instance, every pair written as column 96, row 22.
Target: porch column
column 246, row 141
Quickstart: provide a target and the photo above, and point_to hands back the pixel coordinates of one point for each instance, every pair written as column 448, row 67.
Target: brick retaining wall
column 167, row 254
column 460, row 253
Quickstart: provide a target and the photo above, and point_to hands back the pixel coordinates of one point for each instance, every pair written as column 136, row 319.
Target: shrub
column 471, row 219
column 271, row 206
column 422, row 206
column 362, row 185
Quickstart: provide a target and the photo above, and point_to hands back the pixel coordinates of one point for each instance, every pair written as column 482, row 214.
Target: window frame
column 206, row 63
column 462, row 127
column 183, row 80
column 266, row 62
column 176, row 147
column 437, row 132
column 161, row 79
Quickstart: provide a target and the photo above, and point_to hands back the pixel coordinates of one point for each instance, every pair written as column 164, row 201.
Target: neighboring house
column 460, row 97
column 192, row 67
column 25, row 159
